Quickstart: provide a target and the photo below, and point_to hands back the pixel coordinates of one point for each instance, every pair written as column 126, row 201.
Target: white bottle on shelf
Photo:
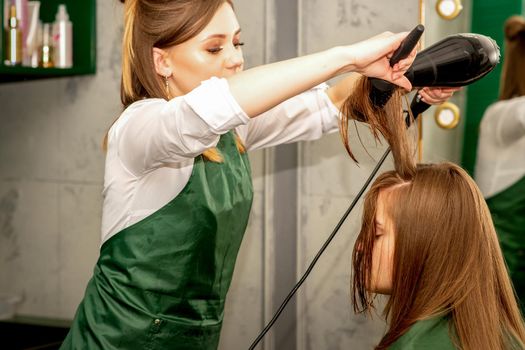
column 63, row 39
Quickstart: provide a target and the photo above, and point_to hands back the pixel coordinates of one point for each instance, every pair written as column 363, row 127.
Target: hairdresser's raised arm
column 259, row 89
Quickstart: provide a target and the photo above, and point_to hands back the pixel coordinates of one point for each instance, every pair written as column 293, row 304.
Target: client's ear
column 162, row 62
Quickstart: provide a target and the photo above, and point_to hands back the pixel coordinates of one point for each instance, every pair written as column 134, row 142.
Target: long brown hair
column 513, row 71
column 388, row 121
column 446, row 261
column 161, row 24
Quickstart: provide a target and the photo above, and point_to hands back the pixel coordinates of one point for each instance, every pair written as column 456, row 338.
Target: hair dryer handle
column 407, row 45
column 417, row 106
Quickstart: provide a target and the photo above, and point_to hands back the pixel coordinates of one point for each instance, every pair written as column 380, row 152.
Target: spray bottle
column 63, row 39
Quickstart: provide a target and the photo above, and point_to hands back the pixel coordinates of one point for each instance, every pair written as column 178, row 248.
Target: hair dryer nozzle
column 457, row 60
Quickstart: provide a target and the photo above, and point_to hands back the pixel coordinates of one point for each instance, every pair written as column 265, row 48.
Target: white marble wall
column 329, row 181
column 51, row 169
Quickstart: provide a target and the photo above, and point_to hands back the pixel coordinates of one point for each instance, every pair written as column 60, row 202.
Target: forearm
column 261, row 88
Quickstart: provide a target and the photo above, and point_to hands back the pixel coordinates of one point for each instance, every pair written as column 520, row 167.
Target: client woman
column 428, row 242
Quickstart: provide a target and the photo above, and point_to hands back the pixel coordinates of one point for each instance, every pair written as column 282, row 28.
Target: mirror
column 449, row 9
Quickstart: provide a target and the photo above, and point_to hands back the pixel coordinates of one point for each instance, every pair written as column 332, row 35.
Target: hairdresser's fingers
column 441, row 93
column 436, row 91
column 431, row 100
column 454, row 89
column 434, row 95
column 402, row 81
column 393, row 41
column 370, row 56
column 403, row 65
column 375, row 48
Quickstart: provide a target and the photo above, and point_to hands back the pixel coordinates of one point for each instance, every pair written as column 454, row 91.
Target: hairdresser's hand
column 371, row 58
column 436, row 95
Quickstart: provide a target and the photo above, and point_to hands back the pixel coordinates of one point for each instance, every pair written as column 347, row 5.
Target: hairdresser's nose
column 235, row 60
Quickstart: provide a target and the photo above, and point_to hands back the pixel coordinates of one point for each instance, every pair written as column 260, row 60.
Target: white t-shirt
column 152, row 146
column 501, row 146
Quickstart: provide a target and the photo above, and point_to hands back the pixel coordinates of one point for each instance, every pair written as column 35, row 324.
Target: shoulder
column 426, row 334
column 142, row 106
column 137, row 109
column 505, row 107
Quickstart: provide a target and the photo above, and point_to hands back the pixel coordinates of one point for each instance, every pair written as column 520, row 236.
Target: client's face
column 383, row 253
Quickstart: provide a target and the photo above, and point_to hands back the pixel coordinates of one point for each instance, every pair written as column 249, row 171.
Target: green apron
column 508, row 213
column 431, row 334
column 162, row 282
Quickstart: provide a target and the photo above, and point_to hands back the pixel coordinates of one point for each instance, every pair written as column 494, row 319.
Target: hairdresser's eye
column 215, row 49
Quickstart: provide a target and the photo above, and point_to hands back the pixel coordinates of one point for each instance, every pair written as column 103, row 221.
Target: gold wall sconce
column 447, row 115
column 449, row 9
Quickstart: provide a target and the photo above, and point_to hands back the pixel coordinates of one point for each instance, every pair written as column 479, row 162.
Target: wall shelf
column 83, row 16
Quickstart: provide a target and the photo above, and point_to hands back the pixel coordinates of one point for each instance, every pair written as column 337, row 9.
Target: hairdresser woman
column 177, row 189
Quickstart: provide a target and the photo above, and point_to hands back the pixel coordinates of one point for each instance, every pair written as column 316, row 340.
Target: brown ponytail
column 513, row 71
column 129, row 89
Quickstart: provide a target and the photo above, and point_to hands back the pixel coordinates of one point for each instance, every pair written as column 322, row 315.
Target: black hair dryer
column 457, row 60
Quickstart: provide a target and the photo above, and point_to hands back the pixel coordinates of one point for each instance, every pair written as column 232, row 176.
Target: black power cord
column 321, row 251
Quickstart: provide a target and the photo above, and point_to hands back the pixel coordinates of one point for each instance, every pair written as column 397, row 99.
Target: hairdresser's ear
column 162, row 62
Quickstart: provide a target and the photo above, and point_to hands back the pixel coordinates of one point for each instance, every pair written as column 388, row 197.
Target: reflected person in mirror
column 500, row 164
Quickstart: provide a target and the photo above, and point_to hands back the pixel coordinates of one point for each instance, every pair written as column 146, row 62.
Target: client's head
column 429, row 243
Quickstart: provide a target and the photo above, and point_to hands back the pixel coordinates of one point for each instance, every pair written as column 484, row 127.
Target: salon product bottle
column 13, row 40
column 46, row 49
column 63, row 39
column 22, row 12
column 34, row 35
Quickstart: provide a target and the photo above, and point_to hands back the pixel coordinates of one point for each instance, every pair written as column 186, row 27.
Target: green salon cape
column 162, row 282
column 431, row 334
column 508, row 213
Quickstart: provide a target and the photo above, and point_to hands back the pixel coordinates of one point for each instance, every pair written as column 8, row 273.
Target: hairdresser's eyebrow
column 220, row 36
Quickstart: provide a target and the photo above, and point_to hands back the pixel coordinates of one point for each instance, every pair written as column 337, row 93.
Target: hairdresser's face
column 215, row 51
column 382, row 255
